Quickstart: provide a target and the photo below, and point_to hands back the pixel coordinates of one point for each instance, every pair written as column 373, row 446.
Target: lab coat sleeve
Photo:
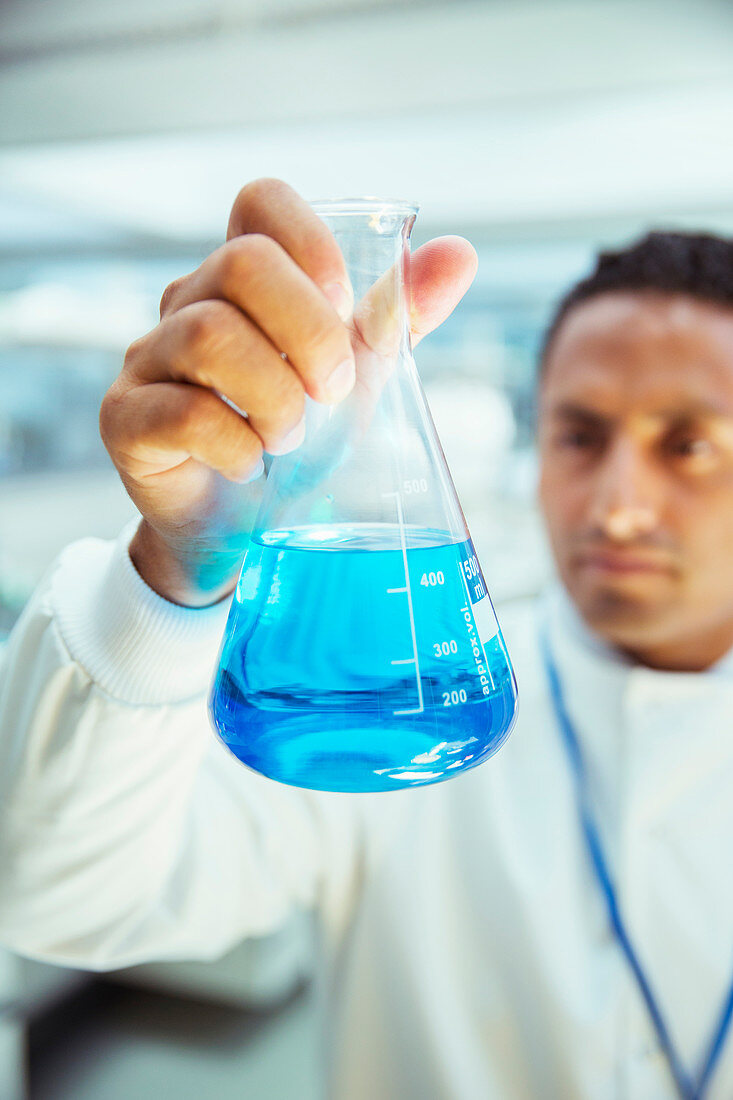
column 127, row 832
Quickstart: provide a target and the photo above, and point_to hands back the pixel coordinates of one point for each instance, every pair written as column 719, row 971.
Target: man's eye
column 578, row 439
column 692, row 446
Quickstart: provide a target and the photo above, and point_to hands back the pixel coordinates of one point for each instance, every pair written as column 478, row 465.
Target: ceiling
column 131, row 127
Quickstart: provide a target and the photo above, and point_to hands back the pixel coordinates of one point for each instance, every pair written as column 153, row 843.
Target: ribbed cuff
column 136, row 646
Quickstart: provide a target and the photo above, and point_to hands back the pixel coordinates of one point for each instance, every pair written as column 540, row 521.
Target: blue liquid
column 343, row 671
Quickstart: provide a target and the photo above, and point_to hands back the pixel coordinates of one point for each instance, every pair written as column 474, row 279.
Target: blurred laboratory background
column 542, row 130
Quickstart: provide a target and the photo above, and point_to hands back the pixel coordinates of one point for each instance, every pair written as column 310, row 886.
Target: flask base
column 353, row 758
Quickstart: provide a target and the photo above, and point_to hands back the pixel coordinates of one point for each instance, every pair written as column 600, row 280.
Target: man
column 557, row 923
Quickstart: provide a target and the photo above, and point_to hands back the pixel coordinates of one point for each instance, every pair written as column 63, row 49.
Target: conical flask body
column 362, row 652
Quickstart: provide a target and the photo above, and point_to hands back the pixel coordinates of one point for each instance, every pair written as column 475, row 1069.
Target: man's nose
column 625, row 499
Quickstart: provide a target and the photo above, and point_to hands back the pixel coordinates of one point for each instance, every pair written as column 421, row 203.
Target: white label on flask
column 486, row 623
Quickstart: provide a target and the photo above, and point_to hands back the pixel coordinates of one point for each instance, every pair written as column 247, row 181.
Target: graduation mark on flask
column 406, row 590
column 413, row 485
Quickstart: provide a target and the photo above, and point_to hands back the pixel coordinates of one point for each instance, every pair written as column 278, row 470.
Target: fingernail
column 340, row 299
column 293, row 439
column 257, row 472
column 341, row 380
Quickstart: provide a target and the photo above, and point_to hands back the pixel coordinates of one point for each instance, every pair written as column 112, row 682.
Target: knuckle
column 208, row 328
column 243, row 258
column 107, row 417
column 112, row 418
column 169, row 295
column 135, row 352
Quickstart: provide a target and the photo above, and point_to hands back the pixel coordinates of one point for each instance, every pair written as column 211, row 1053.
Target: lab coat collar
column 634, row 720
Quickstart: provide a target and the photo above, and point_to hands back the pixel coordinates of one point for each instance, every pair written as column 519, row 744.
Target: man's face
column 636, row 447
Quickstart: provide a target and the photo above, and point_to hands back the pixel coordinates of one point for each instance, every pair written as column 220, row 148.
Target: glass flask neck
column 373, row 236
column 372, row 464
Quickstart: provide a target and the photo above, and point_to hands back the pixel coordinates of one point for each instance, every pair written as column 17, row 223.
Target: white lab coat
column 467, row 942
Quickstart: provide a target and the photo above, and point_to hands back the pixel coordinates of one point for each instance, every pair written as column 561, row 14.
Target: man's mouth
column 619, row 562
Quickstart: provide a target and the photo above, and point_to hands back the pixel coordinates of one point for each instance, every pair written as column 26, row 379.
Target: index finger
column 273, row 208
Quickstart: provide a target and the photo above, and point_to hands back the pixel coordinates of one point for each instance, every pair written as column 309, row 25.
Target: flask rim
column 366, row 204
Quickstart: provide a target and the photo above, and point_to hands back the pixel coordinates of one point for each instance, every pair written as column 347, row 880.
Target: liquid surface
column 362, row 658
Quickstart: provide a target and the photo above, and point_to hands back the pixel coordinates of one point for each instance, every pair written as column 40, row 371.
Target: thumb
column 441, row 272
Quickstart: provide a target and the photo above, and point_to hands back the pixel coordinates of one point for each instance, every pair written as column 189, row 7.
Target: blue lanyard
column 688, row 1088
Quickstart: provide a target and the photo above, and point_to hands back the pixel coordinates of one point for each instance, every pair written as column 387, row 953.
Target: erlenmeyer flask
column 362, row 652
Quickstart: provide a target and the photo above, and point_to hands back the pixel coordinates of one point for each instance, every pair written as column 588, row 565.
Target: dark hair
column 697, row 264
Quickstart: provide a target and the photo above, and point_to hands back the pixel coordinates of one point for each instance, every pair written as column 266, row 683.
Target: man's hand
column 277, row 287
